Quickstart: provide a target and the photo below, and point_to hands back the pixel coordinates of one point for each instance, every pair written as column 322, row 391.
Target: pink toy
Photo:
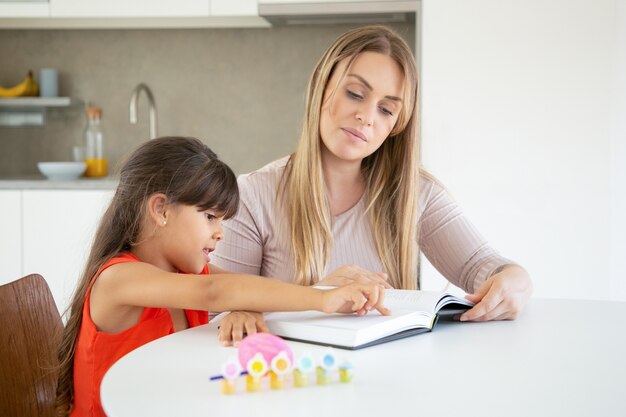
column 266, row 344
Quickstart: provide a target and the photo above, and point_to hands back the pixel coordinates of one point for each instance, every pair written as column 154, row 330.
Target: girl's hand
column 355, row 298
column 236, row 323
column 501, row 297
column 349, row 274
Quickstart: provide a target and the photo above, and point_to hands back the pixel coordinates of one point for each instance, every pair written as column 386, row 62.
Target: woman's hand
column 349, row 274
column 236, row 323
column 355, row 298
column 501, row 297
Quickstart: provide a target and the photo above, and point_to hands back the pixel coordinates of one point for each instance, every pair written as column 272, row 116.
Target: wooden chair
column 30, row 331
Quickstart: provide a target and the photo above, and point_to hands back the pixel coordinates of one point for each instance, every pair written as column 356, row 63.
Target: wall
column 617, row 262
column 240, row 90
column 523, row 120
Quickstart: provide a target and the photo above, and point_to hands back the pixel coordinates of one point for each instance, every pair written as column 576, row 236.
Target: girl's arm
column 123, row 289
column 235, row 323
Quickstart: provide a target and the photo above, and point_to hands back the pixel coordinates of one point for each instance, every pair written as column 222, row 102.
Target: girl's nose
column 219, row 233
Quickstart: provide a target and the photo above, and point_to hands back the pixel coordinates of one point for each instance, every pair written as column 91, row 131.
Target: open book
column 412, row 312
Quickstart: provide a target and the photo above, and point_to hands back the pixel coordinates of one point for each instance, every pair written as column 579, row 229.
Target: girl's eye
column 210, row 217
column 354, row 95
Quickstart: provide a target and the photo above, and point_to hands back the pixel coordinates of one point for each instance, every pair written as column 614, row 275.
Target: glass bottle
column 94, row 144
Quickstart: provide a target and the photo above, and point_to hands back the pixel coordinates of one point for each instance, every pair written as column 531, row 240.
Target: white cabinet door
column 10, row 235
column 21, row 9
column 125, row 8
column 234, row 8
column 58, row 227
column 318, row 3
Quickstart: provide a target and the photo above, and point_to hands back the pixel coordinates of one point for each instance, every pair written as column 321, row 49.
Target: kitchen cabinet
column 18, row 9
column 125, row 8
column 49, row 232
column 298, row 12
column 323, row 2
column 234, row 8
column 148, row 8
column 10, row 235
column 123, row 14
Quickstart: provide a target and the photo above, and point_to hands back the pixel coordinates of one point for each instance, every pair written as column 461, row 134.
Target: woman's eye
column 354, row 95
column 386, row 111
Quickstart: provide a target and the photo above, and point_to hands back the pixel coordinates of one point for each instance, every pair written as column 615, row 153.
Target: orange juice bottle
column 94, row 144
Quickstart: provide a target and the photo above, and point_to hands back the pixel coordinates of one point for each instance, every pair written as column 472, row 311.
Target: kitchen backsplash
column 240, row 90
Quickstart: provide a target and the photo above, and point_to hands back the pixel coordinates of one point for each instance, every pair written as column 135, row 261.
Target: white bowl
column 62, row 171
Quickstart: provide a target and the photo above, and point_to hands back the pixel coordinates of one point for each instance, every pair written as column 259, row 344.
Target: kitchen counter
column 36, row 182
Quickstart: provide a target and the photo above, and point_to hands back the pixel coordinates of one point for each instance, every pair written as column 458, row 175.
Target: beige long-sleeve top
column 257, row 240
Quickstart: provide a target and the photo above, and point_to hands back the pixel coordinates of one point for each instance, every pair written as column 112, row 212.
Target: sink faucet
column 153, row 112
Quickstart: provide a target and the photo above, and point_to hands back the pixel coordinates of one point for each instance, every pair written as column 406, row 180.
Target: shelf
column 38, row 102
column 31, row 111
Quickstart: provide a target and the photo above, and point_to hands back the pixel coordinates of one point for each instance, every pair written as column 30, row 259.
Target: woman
column 353, row 200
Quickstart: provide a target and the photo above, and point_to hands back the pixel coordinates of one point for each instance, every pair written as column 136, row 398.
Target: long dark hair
column 187, row 172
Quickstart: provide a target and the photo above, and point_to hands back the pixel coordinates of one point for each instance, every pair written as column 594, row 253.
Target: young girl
column 147, row 274
column 352, row 203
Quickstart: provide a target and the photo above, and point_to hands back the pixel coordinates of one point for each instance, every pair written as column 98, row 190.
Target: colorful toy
column 345, row 372
column 264, row 343
column 230, row 372
column 263, row 354
column 257, row 367
column 328, row 364
column 304, row 367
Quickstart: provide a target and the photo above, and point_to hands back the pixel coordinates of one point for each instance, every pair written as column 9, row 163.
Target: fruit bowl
column 62, row 171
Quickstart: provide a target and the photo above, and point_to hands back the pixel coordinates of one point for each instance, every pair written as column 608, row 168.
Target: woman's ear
column 157, row 209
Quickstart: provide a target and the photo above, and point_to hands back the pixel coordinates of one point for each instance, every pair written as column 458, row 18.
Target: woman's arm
column 501, row 297
column 457, row 250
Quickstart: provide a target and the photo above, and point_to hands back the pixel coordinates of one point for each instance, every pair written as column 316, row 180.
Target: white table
column 560, row 358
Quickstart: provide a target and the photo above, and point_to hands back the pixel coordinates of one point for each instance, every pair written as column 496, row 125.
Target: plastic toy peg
column 300, row 379
column 329, row 361
column 281, row 365
column 228, row 387
column 306, row 364
column 231, row 369
column 323, row 377
column 253, row 384
column 345, row 372
column 276, row 381
column 230, row 372
column 257, row 366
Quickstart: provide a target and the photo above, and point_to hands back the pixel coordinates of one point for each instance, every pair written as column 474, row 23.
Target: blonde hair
column 391, row 172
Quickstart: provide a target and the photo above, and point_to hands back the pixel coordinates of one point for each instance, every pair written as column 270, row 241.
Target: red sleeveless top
column 96, row 351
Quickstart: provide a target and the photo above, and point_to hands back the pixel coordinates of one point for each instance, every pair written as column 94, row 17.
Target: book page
column 429, row 301
column 343, row 321
column 412, row 300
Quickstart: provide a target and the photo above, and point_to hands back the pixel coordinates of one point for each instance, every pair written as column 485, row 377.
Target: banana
column 27, row 88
